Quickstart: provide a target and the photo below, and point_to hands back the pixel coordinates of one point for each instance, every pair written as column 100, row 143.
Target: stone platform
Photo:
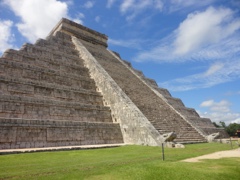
column 59, row 148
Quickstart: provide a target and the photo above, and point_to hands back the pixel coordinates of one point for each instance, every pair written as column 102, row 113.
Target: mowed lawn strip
column 127, row 162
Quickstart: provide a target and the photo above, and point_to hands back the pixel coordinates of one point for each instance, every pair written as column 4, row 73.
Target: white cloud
column 6, row 37
column 198, row 37
column 89, row 4
column 232, row 93
column 222, row 106
column 158, row 4
column 228, row 118
column 203, row 28
column 126, row 5
column 110, row 3
column 134, row 7
column 131, row 43
column 38, row 17
column 216, row 42
column 236, row 121
column 178, row 5
column 230, row 72
column 97, row 18
column 219, row 111
column 208, row 103
column 79, row 18
column 214, row 69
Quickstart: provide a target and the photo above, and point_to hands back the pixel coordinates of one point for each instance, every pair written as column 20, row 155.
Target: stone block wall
column 35, row 133
column 47, row 98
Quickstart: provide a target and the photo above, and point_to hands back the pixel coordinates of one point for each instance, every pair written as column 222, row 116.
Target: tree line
column 231, row 128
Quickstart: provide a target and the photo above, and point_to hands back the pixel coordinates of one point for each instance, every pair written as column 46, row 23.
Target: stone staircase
column 157, row 111
column 48, row 98
column 203, row 125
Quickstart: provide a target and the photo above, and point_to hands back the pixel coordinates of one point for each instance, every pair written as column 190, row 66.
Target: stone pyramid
column 69, row 89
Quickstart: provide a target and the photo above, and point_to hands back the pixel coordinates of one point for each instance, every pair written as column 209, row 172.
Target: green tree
column 223, row 124
column 232, row 128
column 216, row 125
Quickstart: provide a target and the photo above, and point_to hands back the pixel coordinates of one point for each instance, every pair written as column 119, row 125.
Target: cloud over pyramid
column 69, row 90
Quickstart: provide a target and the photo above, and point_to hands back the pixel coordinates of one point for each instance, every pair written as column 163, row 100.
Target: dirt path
column 216, row 155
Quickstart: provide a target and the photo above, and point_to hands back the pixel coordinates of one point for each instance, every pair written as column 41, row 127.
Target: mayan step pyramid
column 69, row 90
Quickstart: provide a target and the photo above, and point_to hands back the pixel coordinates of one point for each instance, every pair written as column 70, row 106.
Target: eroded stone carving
column 213, row 136
column 169, row 137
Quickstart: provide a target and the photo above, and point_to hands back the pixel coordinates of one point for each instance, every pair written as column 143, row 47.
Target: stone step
column 150, row 82
column 11, row 63
column 53, row 61
column 75, row 70
column 60, row 36
column 179, row 131
column 41, row 50
column 175, row 102
column 95, row 38
column 56, row 44
column 172, row 128
column 182, row 134
column 11, row 79
column 45, row 75
column 9, row 86
column 185, row 135
column 189, row 139
column 27, row 133
column 57, row 55
column 171, row 125
column 187, row 112
column 164, row 92
column 191, row 142
column 32, row 108
column 201, row 122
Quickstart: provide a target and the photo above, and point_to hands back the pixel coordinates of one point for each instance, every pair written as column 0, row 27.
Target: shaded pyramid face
column 71, row 90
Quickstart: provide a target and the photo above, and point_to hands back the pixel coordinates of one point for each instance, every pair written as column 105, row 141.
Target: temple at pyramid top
column 80, row 31
column 70, row 90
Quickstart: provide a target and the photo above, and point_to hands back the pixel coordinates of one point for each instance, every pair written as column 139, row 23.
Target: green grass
column 128, row 162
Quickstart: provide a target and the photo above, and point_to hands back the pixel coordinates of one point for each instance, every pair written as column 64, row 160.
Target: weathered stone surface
column 42, row 133
column 162, row 116
column 135, row 127
column 169, row 136
column 49, row 99
column 213, row 136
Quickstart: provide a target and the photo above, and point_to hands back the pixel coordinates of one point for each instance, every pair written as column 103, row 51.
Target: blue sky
column 190, row 47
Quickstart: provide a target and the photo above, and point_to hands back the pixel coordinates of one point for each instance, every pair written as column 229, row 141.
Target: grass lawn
column 127, row 162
